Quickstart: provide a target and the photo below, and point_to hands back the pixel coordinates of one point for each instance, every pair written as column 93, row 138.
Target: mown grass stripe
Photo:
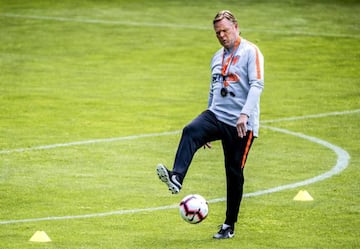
column 117, row 139
column 170, row 25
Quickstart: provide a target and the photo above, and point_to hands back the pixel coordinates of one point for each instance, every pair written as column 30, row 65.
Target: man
column 232, row 116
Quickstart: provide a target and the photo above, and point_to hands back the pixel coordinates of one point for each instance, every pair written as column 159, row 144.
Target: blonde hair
column 225, row 14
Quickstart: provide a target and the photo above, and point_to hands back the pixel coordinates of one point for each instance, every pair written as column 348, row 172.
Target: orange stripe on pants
column 247, row 148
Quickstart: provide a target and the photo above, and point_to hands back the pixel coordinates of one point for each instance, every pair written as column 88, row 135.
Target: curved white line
column 342, row 162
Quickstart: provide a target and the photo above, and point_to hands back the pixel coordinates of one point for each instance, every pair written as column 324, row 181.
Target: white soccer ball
column 193, row 208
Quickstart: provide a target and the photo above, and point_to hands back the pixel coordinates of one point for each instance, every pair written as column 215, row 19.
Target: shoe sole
column 228, row 236
column 163, row 174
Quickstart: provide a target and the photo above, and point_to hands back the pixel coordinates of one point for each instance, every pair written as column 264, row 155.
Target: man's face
column 226, row 32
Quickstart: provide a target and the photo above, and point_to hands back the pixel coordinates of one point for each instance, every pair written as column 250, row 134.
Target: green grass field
column 93, row 94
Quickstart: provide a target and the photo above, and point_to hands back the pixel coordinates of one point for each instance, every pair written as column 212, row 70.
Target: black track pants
column 206, row 128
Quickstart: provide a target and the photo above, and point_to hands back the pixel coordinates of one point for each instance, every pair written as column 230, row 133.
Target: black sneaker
column 170, row 179
column 224, row 233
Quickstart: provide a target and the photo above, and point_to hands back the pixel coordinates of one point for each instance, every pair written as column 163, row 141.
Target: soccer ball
column 193, row 208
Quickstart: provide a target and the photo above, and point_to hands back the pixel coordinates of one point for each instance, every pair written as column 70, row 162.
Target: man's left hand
column 241, row 125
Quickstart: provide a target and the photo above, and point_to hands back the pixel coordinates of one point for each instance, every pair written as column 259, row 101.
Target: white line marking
column 92, row 141
column 84, row 216
column 99, row 21
column 342, row 162
column 170, row 25
column 116, row 139
column 321, row 115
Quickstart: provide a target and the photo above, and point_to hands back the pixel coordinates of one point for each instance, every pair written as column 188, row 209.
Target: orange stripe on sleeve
column 257, row 62
column 258, row 70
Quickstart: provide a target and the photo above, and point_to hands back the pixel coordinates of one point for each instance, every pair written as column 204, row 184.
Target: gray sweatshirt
column 245, row 81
